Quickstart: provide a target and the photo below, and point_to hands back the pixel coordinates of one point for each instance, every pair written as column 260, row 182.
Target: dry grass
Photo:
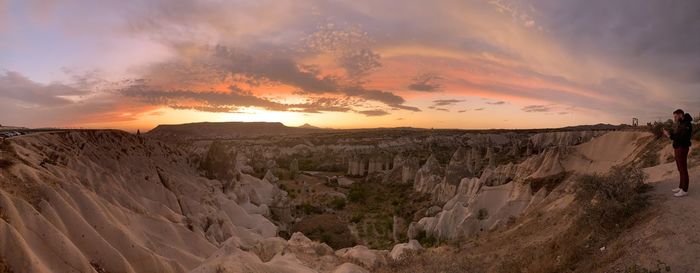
column 650, row 156
column 326, row 228
column 370, row 206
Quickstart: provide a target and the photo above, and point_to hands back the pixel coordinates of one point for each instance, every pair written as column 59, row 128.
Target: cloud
column 426, row 82
column 349, row 46
column 374, row 113
column 518, row 10
column 537, row 108
column 204, row 108
column 258, row 69
column 438, row 108
column 201, row 101
column 359, row 62
column 231, row 101
column 276, row 69
column 385, row 97
column 475, row 109
column 653, row 37
column 446, row 102
column 440, row 104
column 616, row 96
column 25, row 102
column 405, row 107
column 496, row 102
column 16, row 87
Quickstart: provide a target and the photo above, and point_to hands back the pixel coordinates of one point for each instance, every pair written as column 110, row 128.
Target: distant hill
column 218, row 130
column 308, row 126
column 599, row 126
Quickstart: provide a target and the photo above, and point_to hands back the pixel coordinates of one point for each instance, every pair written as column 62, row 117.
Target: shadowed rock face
column 458, row 167
column 404, row 169
column 408, row 170
column 428, row 176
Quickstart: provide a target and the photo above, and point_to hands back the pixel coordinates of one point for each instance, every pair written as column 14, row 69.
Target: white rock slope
column 108, row 201
column 491, row 200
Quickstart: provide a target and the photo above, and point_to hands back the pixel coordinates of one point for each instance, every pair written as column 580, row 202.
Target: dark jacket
column 681, row 136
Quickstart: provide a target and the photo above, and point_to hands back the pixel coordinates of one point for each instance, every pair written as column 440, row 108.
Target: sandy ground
column 670, row 238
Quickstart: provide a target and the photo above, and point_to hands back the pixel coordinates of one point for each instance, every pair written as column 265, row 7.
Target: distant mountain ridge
column 236, row 129
column 204, row 130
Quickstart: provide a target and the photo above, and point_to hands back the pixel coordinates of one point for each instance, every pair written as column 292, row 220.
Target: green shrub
column 426, row 240
column 483, row 214
column 309, row 209
column 357, row 193
column 611, row 201
column 657, row 128
column 649, row 159
column 357, row 217
column 325, row 237
column 695, row 152
column 338, row 203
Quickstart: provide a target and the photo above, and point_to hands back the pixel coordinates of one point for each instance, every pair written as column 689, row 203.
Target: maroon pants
column 681, row 154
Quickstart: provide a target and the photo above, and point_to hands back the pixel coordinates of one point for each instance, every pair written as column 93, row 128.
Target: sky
column 134, row 64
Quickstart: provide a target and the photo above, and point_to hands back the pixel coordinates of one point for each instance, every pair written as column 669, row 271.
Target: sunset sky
column 347, row 63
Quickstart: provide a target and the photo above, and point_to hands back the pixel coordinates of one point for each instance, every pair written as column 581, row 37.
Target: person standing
column 681, row 145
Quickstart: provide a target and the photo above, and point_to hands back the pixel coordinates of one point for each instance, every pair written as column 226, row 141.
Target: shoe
column 680, row 193
column 676, row 190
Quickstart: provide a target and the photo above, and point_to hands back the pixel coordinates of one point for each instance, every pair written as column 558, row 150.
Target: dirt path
column 670, row 238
